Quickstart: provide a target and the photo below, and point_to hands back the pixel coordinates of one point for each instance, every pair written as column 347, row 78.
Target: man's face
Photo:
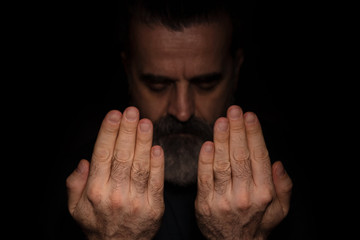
column 180, row 76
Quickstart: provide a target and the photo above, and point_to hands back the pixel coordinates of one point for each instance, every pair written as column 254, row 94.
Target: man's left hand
column 240, row 194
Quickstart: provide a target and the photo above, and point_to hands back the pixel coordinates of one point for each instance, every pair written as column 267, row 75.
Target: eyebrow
column 209, row 77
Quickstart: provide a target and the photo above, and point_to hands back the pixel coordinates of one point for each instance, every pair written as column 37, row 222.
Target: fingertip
column 145, row 125
column 83, row 166
column 282, row 180
column 114, row 116
column 234, row 112
column 80, row 173
column 207, row 147
column 279, row 169
column 157, row 151
column 250, row 117
column 131, row 113
column 221, row 125
column 157, row 157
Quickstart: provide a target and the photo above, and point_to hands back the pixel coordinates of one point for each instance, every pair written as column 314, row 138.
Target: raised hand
column 240, row 195
column 120, row 194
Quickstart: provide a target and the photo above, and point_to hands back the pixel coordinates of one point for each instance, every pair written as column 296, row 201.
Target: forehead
column 158, row 45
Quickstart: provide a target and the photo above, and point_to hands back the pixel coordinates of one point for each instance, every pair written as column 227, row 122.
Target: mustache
column 169, row 125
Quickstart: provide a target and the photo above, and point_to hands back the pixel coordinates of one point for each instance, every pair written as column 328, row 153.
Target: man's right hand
column 120, row 194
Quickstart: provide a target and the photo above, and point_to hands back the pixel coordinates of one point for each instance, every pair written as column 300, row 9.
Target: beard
column 181, row 142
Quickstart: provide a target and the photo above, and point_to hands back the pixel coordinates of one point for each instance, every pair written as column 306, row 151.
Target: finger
column 156, row 178
column 222, row 168
column 239, row 152
column 283, row 186
column 260, row 160
column 124, row 149
column 140, row 167
column 75, row 184
column 205, row 171
column 104, row 146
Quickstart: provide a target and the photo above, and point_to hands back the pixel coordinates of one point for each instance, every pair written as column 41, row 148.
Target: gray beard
column 181, row 143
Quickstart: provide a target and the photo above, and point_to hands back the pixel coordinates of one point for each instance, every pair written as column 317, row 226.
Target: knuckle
column 265, row 198
column 122, row 156
column 157, row 213
column 136, row 207
column 224, row 207
column 70, row 184
column 143, row 139
column 128, row 130
column 261, row 153
column 222, row 175
column 221, row 140
column 204, row 185
column 220, row 149
column 244, row 203
column 203, row 209
column 205, row 181
column 253, row 130
column 222, row 168
column 241, row 155
column 94, row 195
column 237, row 128
column 110, row 129
column 140, row 171
column 101, row 154
column 116, row 201
column 289, row 187
column 205, row 160
column 156, row 187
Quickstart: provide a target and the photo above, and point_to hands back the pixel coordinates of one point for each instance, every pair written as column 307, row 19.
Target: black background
column 70, row 64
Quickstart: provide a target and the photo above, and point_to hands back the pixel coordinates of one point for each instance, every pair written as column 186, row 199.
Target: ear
column 239, row 59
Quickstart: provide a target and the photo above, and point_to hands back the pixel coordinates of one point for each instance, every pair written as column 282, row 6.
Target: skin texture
column 240, row 195
column 180, row 58
column 120, row 194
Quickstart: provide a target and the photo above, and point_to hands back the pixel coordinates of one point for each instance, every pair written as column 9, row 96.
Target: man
column 181, row 131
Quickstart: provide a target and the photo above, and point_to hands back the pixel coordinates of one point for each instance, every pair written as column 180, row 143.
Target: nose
column 181, row 104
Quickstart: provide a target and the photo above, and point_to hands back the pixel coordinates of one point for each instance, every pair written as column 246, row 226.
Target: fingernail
column 156, row 152
column 144, row 127
column 250, row 117
column 235, row 113
column 114, row 117
column 208, row 148
column 223, row 126
column 280, row 171
column 131, row 114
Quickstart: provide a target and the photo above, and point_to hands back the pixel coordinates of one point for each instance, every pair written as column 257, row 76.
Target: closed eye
column 207, row 82
column 156, row 83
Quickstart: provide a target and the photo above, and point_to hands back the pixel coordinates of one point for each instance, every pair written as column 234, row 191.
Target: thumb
column 75, row 184
column 283, row 185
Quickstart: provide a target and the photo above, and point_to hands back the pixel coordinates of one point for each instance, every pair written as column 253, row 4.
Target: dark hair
column 179, row 14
